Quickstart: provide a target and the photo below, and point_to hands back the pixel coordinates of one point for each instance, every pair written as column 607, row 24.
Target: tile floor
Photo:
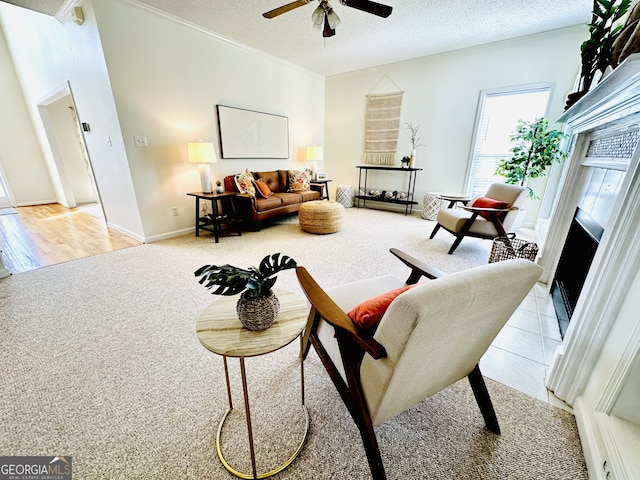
column 521, row 355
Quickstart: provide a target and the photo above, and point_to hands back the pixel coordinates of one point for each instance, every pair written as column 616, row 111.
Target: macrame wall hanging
column 382, row 127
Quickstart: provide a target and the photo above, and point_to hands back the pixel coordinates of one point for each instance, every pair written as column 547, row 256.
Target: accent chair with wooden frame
column 483, row 221
column 430, row 336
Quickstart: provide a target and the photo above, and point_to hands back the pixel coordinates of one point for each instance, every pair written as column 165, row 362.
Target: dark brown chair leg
column 435, row 230
column 457, row 241
column 463, row 231
column 484, row 400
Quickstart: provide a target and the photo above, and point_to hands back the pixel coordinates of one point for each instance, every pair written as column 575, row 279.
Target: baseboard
column 127, row 232
column 589, row 438
column 165, row 236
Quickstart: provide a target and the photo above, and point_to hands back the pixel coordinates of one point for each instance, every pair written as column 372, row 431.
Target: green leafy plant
column 230, row 280
column 535, row 150
column 596, row 50
column 218, row 183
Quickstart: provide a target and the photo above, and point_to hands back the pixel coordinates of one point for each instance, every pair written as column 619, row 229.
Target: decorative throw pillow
column 367, row 315
column 262, row 188
column 486, row 202
column 244, row 182
column 299, row 181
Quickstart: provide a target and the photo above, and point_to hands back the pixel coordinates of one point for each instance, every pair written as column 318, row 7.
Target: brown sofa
column 255, row 209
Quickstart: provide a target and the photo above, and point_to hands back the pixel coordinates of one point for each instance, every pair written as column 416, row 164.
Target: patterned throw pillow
column 299, row 181
column 244, row 182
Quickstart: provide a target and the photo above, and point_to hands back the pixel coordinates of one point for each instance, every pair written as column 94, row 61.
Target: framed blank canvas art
column 250, row 134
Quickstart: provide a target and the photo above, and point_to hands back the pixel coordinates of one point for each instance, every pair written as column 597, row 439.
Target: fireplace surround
column 596, row 369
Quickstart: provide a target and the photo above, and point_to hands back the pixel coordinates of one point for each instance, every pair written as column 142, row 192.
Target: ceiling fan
column 324, row 16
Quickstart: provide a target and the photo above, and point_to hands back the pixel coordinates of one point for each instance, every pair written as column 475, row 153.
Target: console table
column 363, row 175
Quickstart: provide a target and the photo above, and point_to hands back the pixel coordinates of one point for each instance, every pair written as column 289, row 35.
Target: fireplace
column 575, row 260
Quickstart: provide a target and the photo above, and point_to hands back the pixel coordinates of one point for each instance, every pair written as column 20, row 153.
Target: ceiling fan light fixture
column 318, row 17
column 332, row 18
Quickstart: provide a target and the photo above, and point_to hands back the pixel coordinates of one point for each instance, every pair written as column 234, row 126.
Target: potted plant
column 415, row 142
column 219, row 187
column 405, row 162
column 536, row 148
column 596, row 50
column 257, row 306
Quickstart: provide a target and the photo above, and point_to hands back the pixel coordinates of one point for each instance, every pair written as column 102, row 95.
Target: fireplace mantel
column 594, row 367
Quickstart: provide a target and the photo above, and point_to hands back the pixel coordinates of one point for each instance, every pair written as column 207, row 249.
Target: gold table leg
column 254, row 474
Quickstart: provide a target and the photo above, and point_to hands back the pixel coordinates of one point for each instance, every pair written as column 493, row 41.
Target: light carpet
column 100, row 361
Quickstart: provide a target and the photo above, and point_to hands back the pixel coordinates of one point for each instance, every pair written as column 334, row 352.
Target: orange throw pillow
column 368, row 314
column 262, row 188
column 486, row 202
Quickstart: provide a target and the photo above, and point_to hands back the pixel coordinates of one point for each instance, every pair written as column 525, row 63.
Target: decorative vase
column 257, row 312
column 219, row 189
column 412, row 159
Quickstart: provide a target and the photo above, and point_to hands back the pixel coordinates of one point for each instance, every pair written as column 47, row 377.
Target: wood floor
column 42, row 235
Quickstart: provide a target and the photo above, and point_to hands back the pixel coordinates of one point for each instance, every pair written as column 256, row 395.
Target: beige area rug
column 100, row 361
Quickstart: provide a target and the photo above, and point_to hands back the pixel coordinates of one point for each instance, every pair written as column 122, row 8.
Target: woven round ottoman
column 320, row 216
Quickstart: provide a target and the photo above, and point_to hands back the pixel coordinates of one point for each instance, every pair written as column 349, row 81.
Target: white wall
column 47, row 54
column 21, row 159
column 167, row 78
column 135, row 72
column 441, row 94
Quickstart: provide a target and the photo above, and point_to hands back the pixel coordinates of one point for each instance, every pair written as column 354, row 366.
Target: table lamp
column 314, row 155
column 203, row 153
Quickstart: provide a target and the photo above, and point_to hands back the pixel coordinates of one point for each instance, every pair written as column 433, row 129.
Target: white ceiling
column 415, row 28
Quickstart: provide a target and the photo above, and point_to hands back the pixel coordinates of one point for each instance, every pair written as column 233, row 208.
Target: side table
column 453, row 199
column 220, row 332
column 217, row 218
column 324, row 184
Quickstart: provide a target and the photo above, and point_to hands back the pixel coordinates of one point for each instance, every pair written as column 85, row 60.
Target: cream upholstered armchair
column 489, row 216
column 429, row 336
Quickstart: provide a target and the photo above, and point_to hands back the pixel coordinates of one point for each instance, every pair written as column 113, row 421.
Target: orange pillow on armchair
column 367, row 315
column 486, row 202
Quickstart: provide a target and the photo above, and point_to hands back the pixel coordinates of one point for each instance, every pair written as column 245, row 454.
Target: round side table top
column 453, row 196
column 220, row 331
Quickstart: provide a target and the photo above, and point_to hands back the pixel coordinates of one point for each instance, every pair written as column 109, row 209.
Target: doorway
column 5, row 200
column 71, row 173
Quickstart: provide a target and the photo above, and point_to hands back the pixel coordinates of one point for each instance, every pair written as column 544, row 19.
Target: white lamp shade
column 201, row 152
column 314, row 154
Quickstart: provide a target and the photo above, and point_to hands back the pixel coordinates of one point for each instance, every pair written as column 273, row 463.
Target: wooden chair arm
column 418, row 268
column 489, row 210
column 334, row 315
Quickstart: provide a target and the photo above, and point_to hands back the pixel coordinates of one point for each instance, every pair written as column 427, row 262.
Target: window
column 498, row 115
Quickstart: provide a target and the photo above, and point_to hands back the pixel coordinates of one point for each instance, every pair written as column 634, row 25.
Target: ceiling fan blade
column 369, row 7
column 284, row 8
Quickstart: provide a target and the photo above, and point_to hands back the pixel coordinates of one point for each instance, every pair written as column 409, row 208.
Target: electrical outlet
column 141, row 141
column 175, row 211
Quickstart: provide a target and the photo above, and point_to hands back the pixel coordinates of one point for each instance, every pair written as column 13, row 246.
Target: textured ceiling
column 415, row 28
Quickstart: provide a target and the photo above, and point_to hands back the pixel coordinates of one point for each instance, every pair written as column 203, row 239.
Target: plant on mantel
column 536, row 148
column 596, row 50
